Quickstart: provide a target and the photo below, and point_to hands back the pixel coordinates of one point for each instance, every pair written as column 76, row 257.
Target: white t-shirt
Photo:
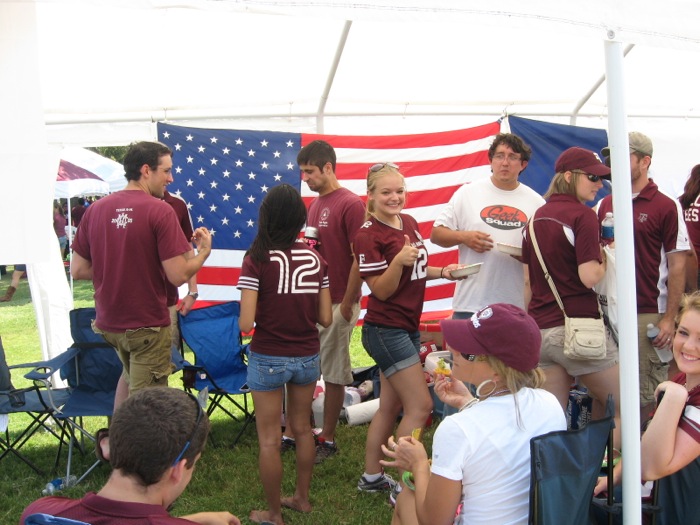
column 502, row 214
column 485, row 448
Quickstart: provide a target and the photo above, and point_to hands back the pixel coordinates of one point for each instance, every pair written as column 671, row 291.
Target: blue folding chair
column 40, row 402
column 47, row 519
column 220, row 367
column 92, row 375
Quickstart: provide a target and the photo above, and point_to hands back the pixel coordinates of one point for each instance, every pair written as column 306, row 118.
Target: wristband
column 193, row 295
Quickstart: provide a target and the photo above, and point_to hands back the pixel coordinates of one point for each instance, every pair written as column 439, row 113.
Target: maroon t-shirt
column 337, row 216
column 568, row 235
column 376, row 244
column 97, row 510
column 183, row 218
column 691, row 214
column 126, row 236
column 288, row 287
column 655, row 219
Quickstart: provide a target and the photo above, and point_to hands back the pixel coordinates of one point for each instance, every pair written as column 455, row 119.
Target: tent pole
column 591, row 92
column 626, row 286
column 331, row 76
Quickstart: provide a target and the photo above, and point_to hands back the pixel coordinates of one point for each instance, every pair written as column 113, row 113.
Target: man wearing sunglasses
column 661, row 248
column 480, row 215
column 152, row 464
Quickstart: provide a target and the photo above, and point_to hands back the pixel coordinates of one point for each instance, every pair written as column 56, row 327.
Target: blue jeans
column 393, row 349
column 270, row 372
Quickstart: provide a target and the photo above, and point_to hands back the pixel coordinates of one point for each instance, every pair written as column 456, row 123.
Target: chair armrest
column 42, row 370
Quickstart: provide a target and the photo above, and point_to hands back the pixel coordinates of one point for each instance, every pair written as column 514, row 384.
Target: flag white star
column 290, row 144
column 189, row 138
column 290, row 166
column 214, row 161
column 189, row 205
column 226, row 196
column 263, row 143
column 238, row 210
column 239, row 142
column 178, row 147
column 239, row 186
column 224, row 221
column 202, row 171
column 227, row 174
column 277, row 154
column 239, row 163
column 201, row 149
column 178, row 170
column 214, row 140
column 200, row 195
column 263, row 188
column 200, row 219
column 213, row 184
column 250, row 223
column 178, row 193
column 190, row 160
column 190, row 182
column 237, row 234
column 278, row 177
column 264, row 165
column 251, row 153
column 212, row 208
column 251, row 175
column 251, row 198
column 166, row 135
column 225, row 151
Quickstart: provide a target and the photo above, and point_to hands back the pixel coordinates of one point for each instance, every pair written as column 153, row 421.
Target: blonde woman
column 393, row 261
column 480, row 472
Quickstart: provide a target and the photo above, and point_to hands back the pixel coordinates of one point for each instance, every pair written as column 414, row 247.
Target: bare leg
column 600, row 385
column 267, row 422
column 558, row 383
column 405, row 510
column 299, row 417
column 122, row 392
column 332, row 404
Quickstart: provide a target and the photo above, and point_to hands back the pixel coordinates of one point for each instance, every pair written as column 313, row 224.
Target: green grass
column 226, row 478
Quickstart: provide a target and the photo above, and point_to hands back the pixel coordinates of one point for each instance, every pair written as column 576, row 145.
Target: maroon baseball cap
column 581, row 159
column 501, row 330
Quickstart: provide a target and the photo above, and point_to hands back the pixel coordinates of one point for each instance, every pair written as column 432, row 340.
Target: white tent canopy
column 101, row 175
column 102, row 72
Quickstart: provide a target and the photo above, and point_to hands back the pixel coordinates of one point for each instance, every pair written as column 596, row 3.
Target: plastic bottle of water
column 607, row 230
column 59, row 484
column 664, row 354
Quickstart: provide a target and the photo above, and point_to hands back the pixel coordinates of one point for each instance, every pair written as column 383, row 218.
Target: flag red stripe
column 422, row 140
column 218, row 275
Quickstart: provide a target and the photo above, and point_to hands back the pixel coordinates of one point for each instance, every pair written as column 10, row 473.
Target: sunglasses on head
column 380, row 166
column 474, row 357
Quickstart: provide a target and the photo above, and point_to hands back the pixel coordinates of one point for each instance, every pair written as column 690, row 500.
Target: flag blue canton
column 223, row 176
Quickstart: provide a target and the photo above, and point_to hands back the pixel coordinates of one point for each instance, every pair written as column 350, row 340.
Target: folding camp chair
column 39, row 402
column 47, row 519
column 213, row 335
column 92, row 374
column 565, row 466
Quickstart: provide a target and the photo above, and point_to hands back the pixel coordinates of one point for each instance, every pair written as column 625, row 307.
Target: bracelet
column 473, row 401
column 407, row 478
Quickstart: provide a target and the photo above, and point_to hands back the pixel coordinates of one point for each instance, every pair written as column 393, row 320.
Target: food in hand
column 443, row 368
column 417, row 433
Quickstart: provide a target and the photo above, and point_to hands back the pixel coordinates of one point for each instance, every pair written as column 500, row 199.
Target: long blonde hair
column 689, row 301
column 373, row 177
column 559, row 184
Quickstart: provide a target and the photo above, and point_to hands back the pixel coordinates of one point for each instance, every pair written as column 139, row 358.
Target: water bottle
column 59, row 484
column 607, row 231
column 664, row 354
column 311, row 236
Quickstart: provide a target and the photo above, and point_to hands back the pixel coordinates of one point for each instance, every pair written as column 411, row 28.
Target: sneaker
column 394, row 493
column 324, row 450
column 384, row 483
column 287, row 444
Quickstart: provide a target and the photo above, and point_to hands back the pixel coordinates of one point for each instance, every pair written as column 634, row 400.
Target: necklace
column 473, row 401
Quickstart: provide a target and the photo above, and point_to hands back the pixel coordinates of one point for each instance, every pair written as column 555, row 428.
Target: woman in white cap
column 568, row 235
column 480, row 471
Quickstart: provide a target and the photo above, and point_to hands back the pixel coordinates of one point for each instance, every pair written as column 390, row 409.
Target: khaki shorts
column 652, row 371
column 552, row 352
column 145, row 354
column 335, row 347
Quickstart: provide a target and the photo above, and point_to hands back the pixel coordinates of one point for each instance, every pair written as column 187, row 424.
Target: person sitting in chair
column 153, row 460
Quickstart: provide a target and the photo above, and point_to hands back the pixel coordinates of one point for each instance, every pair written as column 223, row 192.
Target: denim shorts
column 270, row 372
column 393, row 349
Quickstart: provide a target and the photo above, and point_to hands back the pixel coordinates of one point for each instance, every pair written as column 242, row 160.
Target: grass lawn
column 226, row 478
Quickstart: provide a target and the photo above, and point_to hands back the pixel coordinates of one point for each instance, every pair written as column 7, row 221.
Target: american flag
column 223, row 176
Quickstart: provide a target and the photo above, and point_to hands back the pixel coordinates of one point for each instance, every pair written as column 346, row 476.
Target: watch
column 194, row 295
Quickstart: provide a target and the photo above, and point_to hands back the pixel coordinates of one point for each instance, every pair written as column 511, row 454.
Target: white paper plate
column 466, row 270
column 510, row 249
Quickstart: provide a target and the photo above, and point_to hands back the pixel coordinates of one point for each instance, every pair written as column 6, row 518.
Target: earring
column 479, row 393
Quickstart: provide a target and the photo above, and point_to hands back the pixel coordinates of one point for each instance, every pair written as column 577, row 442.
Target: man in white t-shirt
column 482, row 214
